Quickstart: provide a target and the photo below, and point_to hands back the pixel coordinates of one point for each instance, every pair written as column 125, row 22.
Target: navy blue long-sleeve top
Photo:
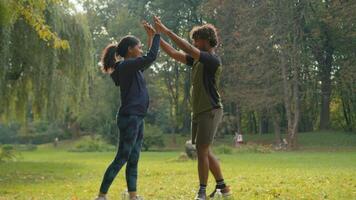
column 128, row 74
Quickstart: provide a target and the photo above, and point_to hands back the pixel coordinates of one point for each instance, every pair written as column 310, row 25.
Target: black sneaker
column 201, row 196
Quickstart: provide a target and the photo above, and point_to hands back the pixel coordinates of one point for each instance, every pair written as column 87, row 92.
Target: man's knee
column 203, row 147
column 211, row 154
column 202, row 150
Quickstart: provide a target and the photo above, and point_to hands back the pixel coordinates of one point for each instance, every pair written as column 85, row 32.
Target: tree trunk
column 323, row 52
column 238, row 118
column 326, row 87
column 263, row 123
column 276, row 127
column 294, row 129
column 291, row 66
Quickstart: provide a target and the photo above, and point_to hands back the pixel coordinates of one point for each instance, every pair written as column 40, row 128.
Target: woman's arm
column 150, row 33
column 141, row 63
column 149, row 41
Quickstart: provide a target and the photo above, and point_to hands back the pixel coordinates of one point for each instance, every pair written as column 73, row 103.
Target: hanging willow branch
column 33, row 13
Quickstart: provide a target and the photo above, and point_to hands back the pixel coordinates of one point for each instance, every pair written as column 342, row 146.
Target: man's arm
column 184, row 45
column 181, row 43
column 173, row 53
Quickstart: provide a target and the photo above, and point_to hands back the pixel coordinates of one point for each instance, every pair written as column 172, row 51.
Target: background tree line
column 289, row 67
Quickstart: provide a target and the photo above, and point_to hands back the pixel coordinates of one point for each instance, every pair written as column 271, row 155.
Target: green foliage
column 99, row 115
column 7, row 153
column 33, row 12
column 52, row 84
column 8, row 132
column 64, row 87
column 256, row 50
column 153, row 136
column 32, row 133
column 26, row 147
column 5, row 13
column 223, row 149
column 92, row 144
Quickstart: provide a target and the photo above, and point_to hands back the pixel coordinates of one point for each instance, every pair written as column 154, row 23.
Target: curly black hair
column 205, row 32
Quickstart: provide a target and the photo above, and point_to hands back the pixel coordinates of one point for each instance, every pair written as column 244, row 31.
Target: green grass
column 323, row 168
column 326, row 140
column 57, row 174
column 319, row 141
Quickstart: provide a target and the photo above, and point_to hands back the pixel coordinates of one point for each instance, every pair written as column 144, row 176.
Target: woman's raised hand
column 149, row 29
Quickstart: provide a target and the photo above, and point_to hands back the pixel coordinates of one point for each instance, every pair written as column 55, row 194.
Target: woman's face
column 135, row 51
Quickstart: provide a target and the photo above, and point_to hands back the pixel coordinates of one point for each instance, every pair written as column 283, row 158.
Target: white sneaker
column 101, row 198
column 226, row 192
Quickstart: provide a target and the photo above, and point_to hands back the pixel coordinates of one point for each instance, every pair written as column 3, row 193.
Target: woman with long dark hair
column 127, row 73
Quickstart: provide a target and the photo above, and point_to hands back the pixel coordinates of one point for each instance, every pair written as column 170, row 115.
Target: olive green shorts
column 205, row 125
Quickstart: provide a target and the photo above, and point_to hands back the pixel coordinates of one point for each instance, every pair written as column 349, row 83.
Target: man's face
column 200, row 44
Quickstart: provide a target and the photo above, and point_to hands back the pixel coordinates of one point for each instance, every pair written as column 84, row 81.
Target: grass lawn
column 57, row 174
column 311, row 141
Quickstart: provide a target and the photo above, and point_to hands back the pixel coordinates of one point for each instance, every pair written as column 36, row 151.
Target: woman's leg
column 128, row 134
column 132, row 163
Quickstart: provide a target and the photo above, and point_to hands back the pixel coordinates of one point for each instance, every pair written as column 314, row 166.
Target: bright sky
column 78, row 7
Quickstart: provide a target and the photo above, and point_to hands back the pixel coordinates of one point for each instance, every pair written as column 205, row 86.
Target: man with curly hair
column 206, row 101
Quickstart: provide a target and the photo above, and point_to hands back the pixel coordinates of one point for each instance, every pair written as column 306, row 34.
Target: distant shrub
column 223, row 149
column 92, row 144
column 39, row 132
column 8, row 133
column 7, row 153
column 153, row 136
column 26, row 147
column 255, row 148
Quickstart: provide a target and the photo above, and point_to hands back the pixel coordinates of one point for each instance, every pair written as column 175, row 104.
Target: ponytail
column 108, row 58
column 112, row 51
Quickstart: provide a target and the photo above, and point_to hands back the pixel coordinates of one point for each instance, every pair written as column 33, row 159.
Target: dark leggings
column 131, row 136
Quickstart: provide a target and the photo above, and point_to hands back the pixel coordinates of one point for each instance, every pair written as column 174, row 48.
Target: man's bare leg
column 214, row 166
column 203, row 167
column 215, row 169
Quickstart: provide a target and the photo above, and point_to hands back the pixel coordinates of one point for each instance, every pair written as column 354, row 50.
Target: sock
column 220, row 184
column 202, row 189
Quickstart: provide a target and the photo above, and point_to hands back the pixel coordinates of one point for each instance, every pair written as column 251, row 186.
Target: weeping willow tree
column 33, row 13
column 37, row 81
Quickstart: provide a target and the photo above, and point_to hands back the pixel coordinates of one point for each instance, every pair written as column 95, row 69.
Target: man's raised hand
column 160, row 27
